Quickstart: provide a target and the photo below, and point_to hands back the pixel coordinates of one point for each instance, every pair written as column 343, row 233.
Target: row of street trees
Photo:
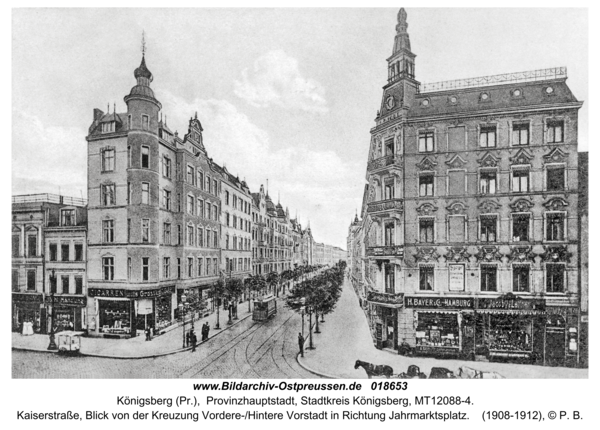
column 318, row 294
column 317, row 289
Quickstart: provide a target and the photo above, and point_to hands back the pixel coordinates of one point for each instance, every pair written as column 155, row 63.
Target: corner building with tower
column 470, row 227
column 154, row 217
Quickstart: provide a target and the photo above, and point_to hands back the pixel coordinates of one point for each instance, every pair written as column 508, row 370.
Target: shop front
column 68, row 312
column 384, row 315
column 509, row 328
column 438, row 324
column 561, row 336
column 28, row 308
column 124, row 313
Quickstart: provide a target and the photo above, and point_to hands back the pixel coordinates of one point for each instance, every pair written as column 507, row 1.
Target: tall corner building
column 153, row 217
column 470, row 224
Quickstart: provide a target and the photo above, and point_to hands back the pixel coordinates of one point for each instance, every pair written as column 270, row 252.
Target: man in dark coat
column 301, row 344
column 207, row 330
column 194, row 341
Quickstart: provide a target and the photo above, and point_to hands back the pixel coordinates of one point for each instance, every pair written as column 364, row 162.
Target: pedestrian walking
column 204, row 331
column 301, row 344
column 207, row 330
column 147, row 332
column 194, row 340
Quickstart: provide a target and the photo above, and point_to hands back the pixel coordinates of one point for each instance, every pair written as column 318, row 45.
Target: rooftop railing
column 530, row 76
column 49, row 198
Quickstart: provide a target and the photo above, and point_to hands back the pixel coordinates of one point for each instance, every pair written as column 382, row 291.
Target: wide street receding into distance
column 268, row 351
column 246, row 350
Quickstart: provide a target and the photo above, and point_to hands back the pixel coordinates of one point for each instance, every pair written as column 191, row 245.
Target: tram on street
column 264, row 308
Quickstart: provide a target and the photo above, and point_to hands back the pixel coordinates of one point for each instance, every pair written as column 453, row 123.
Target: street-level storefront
column 562, row 336
column 121, row 313
column 383, row 310
column 28, row 308
column 433, row 326
column 68, row 312
column 505, row 328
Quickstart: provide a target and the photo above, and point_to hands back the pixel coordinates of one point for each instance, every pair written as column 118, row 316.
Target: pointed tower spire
column 402, row 40
column 402, row 61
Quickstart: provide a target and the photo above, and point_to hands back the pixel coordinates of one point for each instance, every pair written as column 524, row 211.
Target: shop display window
column 507, row 332
column 437, row 330
column 114, row 316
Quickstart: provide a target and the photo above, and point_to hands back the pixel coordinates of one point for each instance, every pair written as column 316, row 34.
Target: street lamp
column 182, row 310
column 52, row 345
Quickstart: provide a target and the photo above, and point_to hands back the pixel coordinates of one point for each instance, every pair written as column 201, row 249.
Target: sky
column 284, row 95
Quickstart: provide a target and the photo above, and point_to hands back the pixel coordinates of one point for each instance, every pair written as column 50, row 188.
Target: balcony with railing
column 386, row 251
column 380, row 163
column 49, row 198
column 395, row 299
column 385, row 205
column 504, row 78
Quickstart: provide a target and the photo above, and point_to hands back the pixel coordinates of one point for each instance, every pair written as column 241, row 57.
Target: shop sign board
column 129, row 294
column 74, row 301
column 439, row 302
column 456, row 275
column 510, row 304
column 26, row 298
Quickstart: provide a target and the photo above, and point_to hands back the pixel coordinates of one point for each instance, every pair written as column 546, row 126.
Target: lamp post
column 182, row 313
column 52, row 345
column 310, row 342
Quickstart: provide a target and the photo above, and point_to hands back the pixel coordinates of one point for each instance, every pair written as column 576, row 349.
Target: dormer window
column 109, row 127
column 67, row 217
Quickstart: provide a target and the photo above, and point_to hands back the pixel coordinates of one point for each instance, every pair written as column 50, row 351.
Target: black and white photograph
column 323, row 193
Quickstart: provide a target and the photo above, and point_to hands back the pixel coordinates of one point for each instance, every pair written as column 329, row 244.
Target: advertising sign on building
column 456, row 273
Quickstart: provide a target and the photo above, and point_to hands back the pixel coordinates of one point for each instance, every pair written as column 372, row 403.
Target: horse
column 374, row 369
column 466, row 372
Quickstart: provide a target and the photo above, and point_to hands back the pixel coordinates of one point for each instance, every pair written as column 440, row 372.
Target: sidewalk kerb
column 314, row 372
column 126, row 357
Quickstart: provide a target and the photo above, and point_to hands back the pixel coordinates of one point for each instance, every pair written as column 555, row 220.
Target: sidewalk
column 345, row 338
column 137, row 347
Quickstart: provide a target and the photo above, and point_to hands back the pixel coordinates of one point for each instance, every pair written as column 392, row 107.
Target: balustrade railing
column 386, row 251
column 385, row 205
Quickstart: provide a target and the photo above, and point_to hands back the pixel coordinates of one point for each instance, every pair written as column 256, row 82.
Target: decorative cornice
column 521, row 205
column 426, row 209
column 488, row 254
column 555, row 156
column 426, row 255
column 456, row 162
column 457, row 254
column 556, row 204
column 488, row 160
column 426, row 164
column 488, row 206
column 521, row 254
column 521, row 157
column 553, row 254
column 456, row 208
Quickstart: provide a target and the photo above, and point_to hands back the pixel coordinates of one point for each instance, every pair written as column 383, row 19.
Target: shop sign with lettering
column 439, row 302
column 27, row 298
column 510, row 304
column 67, row 301
column 129, row 294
